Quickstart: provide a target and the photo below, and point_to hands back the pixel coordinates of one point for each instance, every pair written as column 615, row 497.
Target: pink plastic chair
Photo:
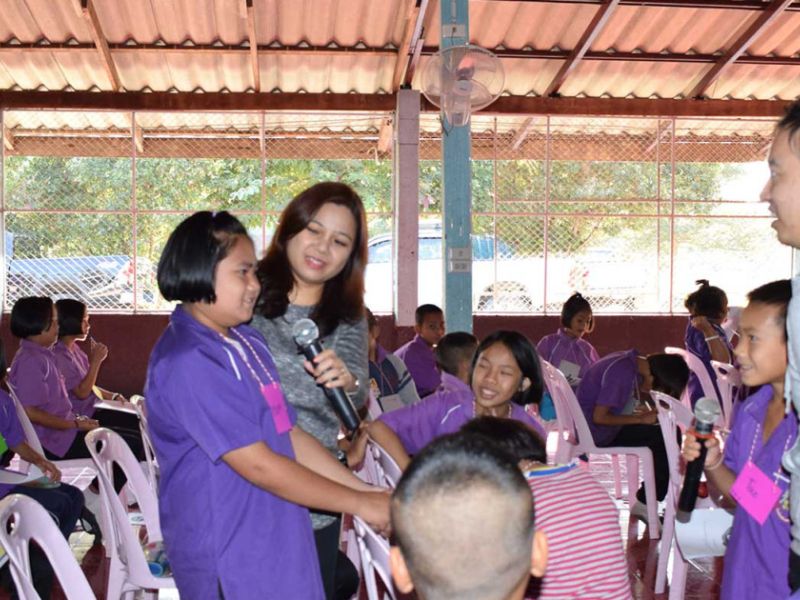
column 563, row 421
column 729, row 382
column 580, row 441
column 671, row 414
column 149, row 451
column 128, row 570
column 22, row 519
column 374, row 409
column 388, row 471
column 374, row 551
column 699, row 369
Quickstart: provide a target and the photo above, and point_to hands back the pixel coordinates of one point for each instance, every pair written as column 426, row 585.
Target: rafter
column 404, row 53
column 756, row 28
column 100, row 42
column 418, row 40
column 700, row 4
column 599, row 20
column 251, row 36
column 301, row 102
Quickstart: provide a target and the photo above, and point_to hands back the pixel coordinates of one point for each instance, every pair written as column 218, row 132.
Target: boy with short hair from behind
column 463, row 519
column 418, row 353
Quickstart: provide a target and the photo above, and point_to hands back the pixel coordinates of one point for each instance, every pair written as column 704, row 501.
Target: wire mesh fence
column 628, row 211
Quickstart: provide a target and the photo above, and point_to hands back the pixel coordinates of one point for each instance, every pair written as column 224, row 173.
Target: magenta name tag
column 277, row 406
column 755, row 492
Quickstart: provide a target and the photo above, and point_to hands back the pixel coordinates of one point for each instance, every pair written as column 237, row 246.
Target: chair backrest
column 108, row 448
column 568, row 409
column 563, row 419
column 729, row 382
column 672, row 414
column 388, row 471
column 147, row 442
column 374, row 551
column 31, row 437
column 22, row 519
column 698, row 368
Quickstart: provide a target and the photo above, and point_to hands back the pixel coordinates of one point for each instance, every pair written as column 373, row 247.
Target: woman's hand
column 329, row 370
column 704, row 325
column 373, row 507
column 648, row 416
column 97, row 351
column 691, row 449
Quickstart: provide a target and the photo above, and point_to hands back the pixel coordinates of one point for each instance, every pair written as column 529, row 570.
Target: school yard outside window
column 629, row 211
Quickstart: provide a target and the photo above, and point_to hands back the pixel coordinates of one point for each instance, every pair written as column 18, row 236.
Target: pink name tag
column 277, row 406
column 756, row 493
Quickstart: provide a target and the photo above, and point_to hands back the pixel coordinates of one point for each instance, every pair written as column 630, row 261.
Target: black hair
column 372, row 321
column 670, row 373
column 31, row 315
column 436, row 491
column 186, row 270
column 423, row 311
column 707, row 301
column 574, row 305
column 512, row 436
column 3, row 363
column 454, row 349
column 343, row 295
column 790, row 123
column 775, row 293
column 70, row 316
column 527, row 360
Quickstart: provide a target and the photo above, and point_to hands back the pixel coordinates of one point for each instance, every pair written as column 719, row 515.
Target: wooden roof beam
column 373, row 103
column 599, row 21
column 413, row 23
column 100, row 42
column 251, row 36
column 707, row 4
column 756, row 28
column 423, row 22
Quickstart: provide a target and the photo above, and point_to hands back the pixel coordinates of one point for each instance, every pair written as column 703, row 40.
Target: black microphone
column 706, row 413
column 306, row 336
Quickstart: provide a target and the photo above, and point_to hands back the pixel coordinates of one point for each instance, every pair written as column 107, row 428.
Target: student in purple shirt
column 756, row 560
column 505, row 376
column 81, row 371
column 236, row 473
column 705, row 338
column 418, row 353
column 566, row 349
column 64, row 501
column 614, row 396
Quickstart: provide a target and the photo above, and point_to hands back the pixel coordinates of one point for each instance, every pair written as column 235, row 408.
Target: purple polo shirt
column 421, row 364
column 74, row 364
column 203, row 402
column 695, row 342
column 442, row 412
column 11, row 430
column 560, row 346
column 608, row 382
column 38, row 383
column 756, row 561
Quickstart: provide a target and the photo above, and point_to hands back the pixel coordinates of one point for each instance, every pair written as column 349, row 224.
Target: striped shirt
column 586, row 556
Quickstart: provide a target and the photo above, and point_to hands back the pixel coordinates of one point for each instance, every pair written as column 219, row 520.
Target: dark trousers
column 649, row 436
column 339, row 575
column 794, row 571
column 64, row 504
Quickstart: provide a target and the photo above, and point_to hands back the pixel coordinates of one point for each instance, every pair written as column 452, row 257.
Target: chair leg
column 632, row 464
column 667, row 546
column 653, row 524
column 116, row 580
column 617, row 476
column 680, row 569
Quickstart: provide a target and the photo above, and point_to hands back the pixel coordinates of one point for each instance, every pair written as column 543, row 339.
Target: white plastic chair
column 147, row 442
column 580, row 441
column 729, row 382
column 387, row 469
column 128, row 569
column 672, row 414
column 562, row 423
column 374, row 551
column 22, row 519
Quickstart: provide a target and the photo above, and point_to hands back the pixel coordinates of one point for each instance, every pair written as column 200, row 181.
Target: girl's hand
column 374, row 509
column 704, row 325
column 97, row 351
column 358, row 447
column 649, row 416
column 691, row 449
column 49, row 469
column 86, row 424
column 329, row 370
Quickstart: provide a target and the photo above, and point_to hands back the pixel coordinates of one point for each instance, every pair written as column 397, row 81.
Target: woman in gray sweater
column 314, row 268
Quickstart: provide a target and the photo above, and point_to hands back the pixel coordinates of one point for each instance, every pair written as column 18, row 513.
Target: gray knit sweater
column 314, row 412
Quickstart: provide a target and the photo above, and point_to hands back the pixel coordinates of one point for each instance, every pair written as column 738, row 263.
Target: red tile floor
column 702, row 581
